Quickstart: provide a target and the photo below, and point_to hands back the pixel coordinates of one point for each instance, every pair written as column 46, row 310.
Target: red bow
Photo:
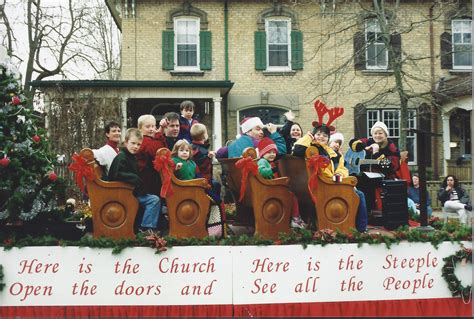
column 165, row 165
column 316, row 163
column 247, row 165
column 80, row 169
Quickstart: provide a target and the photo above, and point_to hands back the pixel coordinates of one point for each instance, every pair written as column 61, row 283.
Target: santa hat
column 336, row 137
column 265, row 145
column 249, row 123
column 380, row 125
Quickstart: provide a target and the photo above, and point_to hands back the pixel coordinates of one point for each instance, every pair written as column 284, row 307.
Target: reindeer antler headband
column 321, row 110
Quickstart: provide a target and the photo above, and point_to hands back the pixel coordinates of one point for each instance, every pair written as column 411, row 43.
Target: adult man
column 252, row 133
column 170, row 125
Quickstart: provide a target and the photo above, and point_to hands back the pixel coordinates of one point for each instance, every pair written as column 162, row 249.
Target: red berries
column 4, row 162
column 52, row 176
column 16, row 100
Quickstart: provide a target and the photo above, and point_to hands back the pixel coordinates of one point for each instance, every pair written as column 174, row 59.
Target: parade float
column 50, row 267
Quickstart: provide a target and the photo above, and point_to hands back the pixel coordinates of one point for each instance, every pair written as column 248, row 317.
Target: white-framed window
column 391, row 118
column 376, row 55
column 278, row 44
column 462, row 44
column 186, row 44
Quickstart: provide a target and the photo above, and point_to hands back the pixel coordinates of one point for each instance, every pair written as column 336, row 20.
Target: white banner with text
column 219, row 275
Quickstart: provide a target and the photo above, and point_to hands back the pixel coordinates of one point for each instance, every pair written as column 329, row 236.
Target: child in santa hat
column 252, row 133
column 267, row 167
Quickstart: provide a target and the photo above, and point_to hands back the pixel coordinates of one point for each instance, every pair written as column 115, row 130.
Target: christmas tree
column 28, row 183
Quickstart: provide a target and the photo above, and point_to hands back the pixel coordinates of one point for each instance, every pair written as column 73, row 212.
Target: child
column 186, row 120
column 252, row 133
column 203, row 156
column 187, row 169
column 124, row 168
column 153, row 140
column 106, row 154
column 335, row 143
column 291, row 131
column 268, row 151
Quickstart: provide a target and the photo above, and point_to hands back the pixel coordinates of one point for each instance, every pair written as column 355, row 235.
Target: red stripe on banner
column 442, row 307
column 116, row 311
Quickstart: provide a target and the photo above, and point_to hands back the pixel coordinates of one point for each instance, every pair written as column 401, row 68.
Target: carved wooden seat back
column 336, row 203
column 188, row 203
column 114, row 207
column 231, row 179
column 271, row 201
column 295, row 168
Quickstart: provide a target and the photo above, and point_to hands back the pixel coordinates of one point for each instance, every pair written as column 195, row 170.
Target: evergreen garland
column 454, row 284
column 298, row 236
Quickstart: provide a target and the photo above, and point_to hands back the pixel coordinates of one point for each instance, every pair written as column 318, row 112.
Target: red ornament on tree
column 36, row 139
column 4, row 161
column 16, row 100
column 52, row 176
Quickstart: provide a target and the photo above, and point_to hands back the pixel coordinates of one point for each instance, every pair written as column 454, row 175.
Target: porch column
column 446, row 142
column 123, row 107
column 47, row 108
column 217, row 124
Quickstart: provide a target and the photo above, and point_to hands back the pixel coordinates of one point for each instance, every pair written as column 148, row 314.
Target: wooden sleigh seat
column 231, row 178
column 188, row 205
column 337, row 203
column 295, row 168
column 270, row 200
column 114, row 207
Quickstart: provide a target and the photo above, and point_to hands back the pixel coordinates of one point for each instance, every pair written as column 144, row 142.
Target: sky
column 16, row 12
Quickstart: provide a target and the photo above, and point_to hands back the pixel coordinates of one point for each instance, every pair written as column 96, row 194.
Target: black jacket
column 285, row 131
column 463, row 196
column 124, row 168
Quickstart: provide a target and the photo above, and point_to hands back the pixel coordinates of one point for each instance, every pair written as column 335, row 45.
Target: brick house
column 242, row 58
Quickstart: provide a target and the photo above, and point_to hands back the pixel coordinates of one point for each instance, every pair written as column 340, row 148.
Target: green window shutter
column 168, row 50
column 296, row 50
column 260, row 50
column 205, row 46
column 360, row 121
column 446, row 51
column 359, row 53
column 395, row 54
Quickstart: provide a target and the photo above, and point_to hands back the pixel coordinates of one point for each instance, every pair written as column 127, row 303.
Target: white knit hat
column 249, row 123
column 379, row 125
column 336, row 137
